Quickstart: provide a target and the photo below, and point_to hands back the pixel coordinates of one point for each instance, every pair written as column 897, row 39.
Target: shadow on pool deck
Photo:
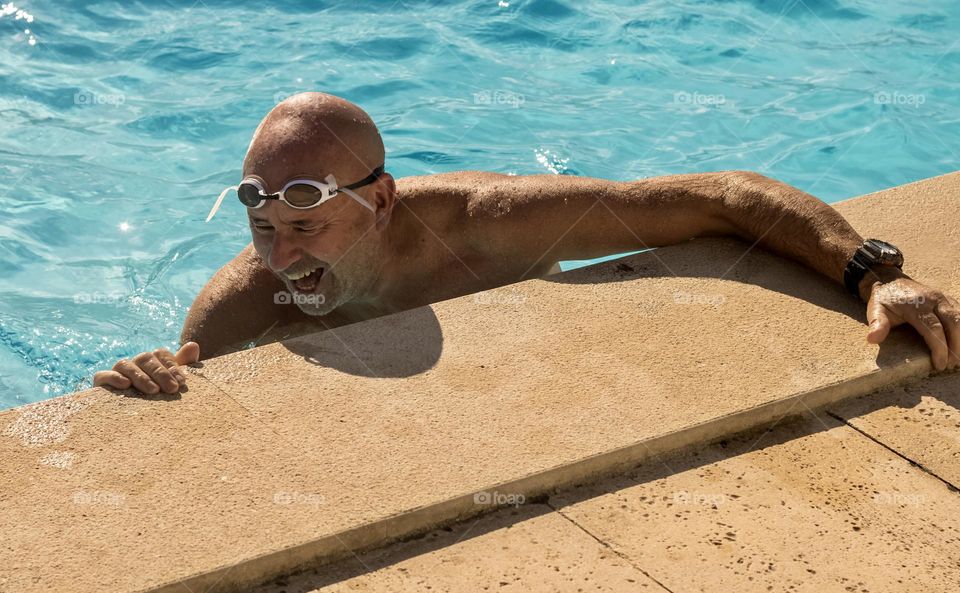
column 407, row 347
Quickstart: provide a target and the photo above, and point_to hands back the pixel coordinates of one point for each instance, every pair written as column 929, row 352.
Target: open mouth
column 306, row 281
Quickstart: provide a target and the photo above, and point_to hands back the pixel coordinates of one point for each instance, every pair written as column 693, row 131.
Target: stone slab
column 809, row 507
column 529, row 549
column 920, row 421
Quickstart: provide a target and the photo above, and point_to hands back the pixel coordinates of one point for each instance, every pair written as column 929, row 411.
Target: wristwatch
column 873, row 252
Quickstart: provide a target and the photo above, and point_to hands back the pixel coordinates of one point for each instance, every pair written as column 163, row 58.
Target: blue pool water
column 121, row 121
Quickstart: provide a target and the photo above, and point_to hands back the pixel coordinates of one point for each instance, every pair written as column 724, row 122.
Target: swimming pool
column 122, row 121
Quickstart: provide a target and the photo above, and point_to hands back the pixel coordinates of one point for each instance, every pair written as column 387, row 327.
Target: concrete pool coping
column 303, row 452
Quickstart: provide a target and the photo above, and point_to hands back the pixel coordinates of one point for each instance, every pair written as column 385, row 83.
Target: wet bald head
column 314, row 134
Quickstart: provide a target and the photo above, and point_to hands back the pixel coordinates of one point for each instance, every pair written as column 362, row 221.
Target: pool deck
column 628, row 377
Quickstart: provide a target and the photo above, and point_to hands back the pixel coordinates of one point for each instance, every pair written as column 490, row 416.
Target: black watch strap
column 871, row 253
column 853, row 274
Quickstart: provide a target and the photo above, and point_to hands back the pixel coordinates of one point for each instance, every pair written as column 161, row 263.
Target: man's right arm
column 236, row 307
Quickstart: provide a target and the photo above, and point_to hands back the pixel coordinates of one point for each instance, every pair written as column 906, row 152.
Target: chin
column 317, row 310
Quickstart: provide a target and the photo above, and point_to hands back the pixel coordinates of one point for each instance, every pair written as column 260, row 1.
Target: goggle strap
column 357, row 197
column 216, row 205
column 366, row 180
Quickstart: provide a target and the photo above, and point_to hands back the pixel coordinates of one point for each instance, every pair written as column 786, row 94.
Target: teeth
column 299, row 275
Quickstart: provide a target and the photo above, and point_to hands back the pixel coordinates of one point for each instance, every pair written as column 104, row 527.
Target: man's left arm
column 795, row 224
column 565, row 217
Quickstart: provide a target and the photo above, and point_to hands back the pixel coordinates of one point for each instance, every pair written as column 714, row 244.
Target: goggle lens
column 302, row 195
column 249, row 195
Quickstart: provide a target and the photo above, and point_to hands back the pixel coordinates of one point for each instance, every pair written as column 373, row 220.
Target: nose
column 283, row 252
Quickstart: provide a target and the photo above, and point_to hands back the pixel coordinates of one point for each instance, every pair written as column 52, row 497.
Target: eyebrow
column 301, row 222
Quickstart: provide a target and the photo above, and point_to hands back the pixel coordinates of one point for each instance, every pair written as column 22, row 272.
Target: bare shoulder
column 495, row 223
column 462, row 187
column 453, row 180
column 236, row 306
column 461, row 198
column 444, row 203
column 489, row 208
column 493, row 194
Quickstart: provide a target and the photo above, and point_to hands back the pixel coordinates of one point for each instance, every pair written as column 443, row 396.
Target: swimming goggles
column 298, row 193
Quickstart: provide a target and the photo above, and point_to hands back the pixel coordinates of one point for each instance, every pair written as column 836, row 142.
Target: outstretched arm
column 558, row 218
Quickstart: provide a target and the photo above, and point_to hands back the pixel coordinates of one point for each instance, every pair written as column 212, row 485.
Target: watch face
column 884, row 252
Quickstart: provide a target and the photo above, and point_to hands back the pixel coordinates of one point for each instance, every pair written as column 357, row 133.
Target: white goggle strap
column 332, row 182
column 219, row 201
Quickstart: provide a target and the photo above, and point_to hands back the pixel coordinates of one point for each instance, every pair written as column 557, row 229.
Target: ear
column 384, row 200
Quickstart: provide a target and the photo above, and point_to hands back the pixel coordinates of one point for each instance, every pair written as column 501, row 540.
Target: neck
column 378, row 296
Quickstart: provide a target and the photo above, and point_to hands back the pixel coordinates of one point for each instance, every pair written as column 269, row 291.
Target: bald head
column 314, row 134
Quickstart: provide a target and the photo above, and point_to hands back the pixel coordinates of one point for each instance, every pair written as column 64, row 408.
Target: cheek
column 349, row 244
column 261, row 245
column 328, row 245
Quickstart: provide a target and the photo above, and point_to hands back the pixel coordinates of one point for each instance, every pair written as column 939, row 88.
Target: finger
column 111, row 379
column 141, row 381
column 166, row 359
column 189, row 353
column 949, row 314
column 879, row 319
column 149, row 362
column 929, row 326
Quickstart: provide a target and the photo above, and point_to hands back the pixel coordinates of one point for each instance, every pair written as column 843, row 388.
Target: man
column 345, row 241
